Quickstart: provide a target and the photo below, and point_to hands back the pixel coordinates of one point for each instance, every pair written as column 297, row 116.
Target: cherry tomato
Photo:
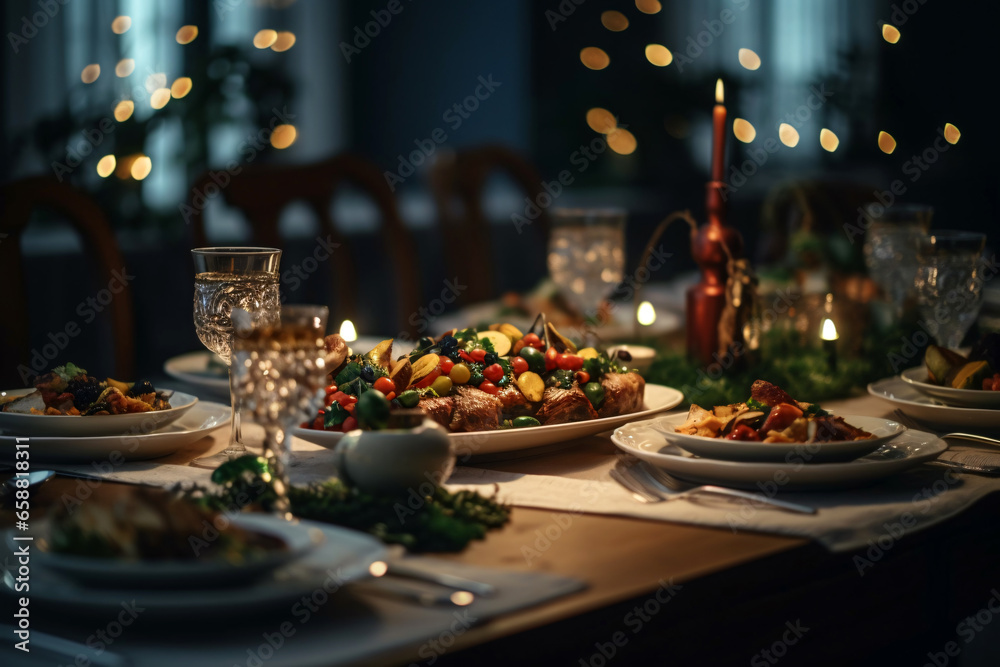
column 569, row 362
column 583, row 377
column 551, row 359
column 350, row 424
column 780, row 418
column 493, row 373
column 429, row 380
column 460, row 374
column 534, row 341
column 446, row 365
column 478, row 354
column 489, row 387
column 743, row 432
column 384, row 385
column 519, row 364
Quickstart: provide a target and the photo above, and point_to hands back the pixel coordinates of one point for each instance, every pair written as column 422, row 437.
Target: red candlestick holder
column 712, row 246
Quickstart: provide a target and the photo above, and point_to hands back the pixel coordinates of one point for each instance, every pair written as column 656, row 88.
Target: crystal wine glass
column 278, row 373
column 586, row 255
column 949, row 283
column 890, row 250
column 228, row 278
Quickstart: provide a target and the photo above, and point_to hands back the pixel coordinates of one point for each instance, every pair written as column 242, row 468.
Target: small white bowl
column 642, row 356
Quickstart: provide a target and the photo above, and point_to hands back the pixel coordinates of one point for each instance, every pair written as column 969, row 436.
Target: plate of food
column 773, row 426
column 927, row 410
column 950, row 377
column 68, row 402
column 911, row 448
column 146, row 540
column 137, row 444
column 494, row 389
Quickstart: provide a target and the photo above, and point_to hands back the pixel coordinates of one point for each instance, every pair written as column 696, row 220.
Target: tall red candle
column 719, row 135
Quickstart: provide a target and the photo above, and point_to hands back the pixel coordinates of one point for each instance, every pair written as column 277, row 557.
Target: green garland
column 803, row 372
column 439, row 521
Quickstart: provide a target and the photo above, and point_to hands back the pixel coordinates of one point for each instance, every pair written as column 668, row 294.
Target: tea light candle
column 830, row 336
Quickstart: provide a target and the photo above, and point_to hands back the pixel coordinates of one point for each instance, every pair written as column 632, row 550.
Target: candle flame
column 719, row 97
column 347, row 331
column 744, row 130
column 646, row 313
column 886, row 142
column 829, row 330
column 828, row 140
column 951, row 133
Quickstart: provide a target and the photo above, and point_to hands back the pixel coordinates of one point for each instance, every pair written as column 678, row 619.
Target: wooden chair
column 261, row 192
column 20, row 200
column 458, row 182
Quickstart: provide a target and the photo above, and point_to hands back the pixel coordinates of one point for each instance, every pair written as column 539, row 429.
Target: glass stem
column 236, row 446
column 276, row 454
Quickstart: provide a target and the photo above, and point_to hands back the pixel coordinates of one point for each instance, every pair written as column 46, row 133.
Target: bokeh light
column 788, row 135
column 951, row 133
column 141, row 167
column 106, row 166
column 186, row 34
column 828, row 140
column 744, row 130
column 124, row 67
column 890, row 33
column 886, row 142
column 749, row 59
column 159, row 98
column 90, row 73
column 601, row 120
column 285, row 41
column 648, row 6
column 659, row 55
column 284, row 136
column 622, row 141
column 265, row 38
column 594, row 58
column 123, row 110
column 614, row 21
column 121, row 24
column 180, row 87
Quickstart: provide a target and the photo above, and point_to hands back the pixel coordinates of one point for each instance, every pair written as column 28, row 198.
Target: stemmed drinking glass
column 949, row 283
column 586, row 255
column 278, row 372
column 228, row 278
column 890, row 250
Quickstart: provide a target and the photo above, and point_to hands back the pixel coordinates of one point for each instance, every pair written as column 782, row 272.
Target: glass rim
column 235, row 250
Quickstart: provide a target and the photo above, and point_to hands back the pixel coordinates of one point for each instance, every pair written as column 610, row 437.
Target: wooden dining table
column 668, row 593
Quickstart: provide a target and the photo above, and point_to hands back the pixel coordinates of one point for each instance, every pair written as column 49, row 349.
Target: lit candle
column 347, row 331
column 830, row 336
column 719, row 135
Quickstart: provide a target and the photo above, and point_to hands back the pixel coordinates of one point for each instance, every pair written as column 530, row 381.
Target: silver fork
column 652, row 485
column 957, row 465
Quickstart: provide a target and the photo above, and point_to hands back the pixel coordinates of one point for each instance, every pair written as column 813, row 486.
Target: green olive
column 535, row 359
column 595, row 393
column 409, row 398
column 442, row 385
column 525, row 422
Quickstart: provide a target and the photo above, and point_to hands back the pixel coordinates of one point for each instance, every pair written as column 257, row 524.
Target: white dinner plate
column 966, row 398
column 135, row 446
column 926, row 410
column 199, row 370
column 657, row 399
column 798, row 474
column 739, row 450
column 344, row 556
column 72, row 426
column 182, row 574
